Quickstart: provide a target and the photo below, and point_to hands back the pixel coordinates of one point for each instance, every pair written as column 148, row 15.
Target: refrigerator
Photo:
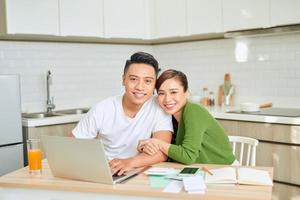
column 11, row 139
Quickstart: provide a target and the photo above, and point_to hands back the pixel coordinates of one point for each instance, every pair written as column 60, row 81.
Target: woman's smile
column 172, row 97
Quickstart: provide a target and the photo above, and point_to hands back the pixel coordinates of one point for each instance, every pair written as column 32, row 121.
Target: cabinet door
column 204, row 16
column 285, row 12
column 81, row 17
column 125, row 19
column 285, row 191
column 284, row 159
column 32, row 16
column 53, row 130
column 169, row 18
column 245, row 14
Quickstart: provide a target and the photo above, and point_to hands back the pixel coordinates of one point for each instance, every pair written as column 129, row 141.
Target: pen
column 207, row 170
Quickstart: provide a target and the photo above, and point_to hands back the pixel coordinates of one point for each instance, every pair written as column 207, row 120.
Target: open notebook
column 243, row 175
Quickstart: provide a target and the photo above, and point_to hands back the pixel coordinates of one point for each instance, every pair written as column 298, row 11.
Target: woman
column 199, row 138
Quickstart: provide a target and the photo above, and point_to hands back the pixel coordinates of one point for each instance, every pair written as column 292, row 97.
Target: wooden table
column 40, row 187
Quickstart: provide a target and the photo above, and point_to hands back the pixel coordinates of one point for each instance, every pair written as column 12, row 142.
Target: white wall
column 269, row 72
column 83, row 74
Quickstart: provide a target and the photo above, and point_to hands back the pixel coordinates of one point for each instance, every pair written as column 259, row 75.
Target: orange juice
column 35, row 159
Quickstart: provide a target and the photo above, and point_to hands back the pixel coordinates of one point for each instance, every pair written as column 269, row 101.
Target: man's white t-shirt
column 119, row 133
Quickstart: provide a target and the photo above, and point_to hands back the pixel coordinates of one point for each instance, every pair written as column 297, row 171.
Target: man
column 122, row 121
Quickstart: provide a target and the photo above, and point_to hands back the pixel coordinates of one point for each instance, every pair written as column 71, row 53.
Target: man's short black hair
column 142, row 57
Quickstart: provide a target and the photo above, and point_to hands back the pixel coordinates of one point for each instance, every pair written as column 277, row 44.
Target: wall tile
column 270, row 72
column 83, row 74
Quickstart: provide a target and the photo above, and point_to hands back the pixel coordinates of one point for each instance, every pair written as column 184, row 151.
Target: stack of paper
column 194, row 184
column 174, row 187
column 158, row 181
column 158, row 176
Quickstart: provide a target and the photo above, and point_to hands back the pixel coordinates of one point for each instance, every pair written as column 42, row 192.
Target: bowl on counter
column 249, row 107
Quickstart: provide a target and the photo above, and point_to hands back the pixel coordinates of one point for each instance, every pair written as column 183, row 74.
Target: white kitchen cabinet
column 284, row 12
column 32, row 17
column 142, row 19
column 125, row 19
column 168, row 18
column 204, row 16
column 81, row 17
column 245, row 14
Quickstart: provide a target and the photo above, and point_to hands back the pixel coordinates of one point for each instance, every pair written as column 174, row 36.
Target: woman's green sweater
column 200, row 138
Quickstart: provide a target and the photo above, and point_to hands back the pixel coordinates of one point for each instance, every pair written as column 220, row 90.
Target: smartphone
column 188, row 171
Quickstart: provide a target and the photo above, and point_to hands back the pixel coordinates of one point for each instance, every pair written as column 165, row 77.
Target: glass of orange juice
column 34, row 156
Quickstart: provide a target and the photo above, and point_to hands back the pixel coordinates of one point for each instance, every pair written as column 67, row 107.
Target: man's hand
column 120, row 166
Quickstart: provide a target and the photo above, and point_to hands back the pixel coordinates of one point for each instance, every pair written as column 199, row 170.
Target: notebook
column 242, row 175
column 80, row 159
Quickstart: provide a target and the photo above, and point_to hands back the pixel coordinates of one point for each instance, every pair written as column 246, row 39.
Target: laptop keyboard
column 123, row 178
column 116, row 177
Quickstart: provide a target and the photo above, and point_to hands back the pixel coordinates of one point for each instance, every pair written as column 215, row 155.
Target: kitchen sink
column 73, row 111
column 39, row 115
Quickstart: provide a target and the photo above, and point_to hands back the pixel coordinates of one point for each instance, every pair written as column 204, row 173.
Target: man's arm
column 142, row 159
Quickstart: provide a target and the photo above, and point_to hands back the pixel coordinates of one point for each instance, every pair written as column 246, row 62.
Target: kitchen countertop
column 217, row 112
column 222, row 113
column 31, row 122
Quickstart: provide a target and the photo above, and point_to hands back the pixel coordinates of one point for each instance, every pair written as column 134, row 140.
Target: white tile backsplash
column 270, row 72
column 83, row 74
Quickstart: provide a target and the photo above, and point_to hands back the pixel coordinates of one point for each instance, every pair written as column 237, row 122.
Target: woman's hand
column 150, row 146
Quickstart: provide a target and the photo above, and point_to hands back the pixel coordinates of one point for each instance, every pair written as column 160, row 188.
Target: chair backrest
column 240, row 143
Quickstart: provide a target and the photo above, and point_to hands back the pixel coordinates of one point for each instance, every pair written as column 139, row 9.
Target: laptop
column 80, row 159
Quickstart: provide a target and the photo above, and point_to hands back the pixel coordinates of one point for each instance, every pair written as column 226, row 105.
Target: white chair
column 239, row 141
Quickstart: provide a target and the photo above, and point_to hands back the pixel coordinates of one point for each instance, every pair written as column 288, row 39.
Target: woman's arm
column 194, row 123
column 153, row 145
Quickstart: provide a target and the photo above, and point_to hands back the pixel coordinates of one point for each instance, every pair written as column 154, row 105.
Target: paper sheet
column 254, row 177
column 174, row 187
column 194, row 184
column 160, row 171
column 222, row 175
column 158, row 181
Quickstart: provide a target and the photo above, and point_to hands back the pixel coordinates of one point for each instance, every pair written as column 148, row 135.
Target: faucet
column 50, row 103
